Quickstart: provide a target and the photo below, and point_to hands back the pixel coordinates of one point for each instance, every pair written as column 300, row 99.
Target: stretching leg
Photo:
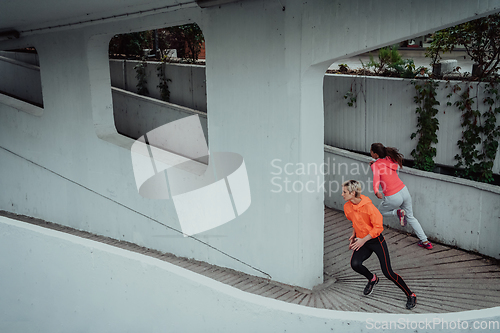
column 412, row 221
column 390, row 204
column 379, row 246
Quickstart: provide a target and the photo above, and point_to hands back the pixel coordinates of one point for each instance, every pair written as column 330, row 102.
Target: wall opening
column 157, row 76
column 22, row 82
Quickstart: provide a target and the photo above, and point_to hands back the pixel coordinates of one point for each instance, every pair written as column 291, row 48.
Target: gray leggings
column 402, row 200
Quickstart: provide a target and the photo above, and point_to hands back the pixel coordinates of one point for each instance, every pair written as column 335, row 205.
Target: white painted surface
column 454, row 211
column 385, row 112
column 52, row 16
column 20, row 105
column 264, row 98
column 62, row 283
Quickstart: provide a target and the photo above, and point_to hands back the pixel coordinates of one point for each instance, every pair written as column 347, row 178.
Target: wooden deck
column 444, row 279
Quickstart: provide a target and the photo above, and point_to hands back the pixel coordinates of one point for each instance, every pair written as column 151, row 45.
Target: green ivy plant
column 163, row 85
column 479, row 143
column 343, row 68
column 427, row 124
column 352, row 95
column 405, row 69
column 140, row 69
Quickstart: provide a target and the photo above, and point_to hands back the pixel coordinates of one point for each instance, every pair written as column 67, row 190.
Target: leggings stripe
column 379, row 246
column 390, row 271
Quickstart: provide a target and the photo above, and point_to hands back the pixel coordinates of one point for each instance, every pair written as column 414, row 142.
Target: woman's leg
column 391, row 204
column 357, row 259
column 412, row 221
column 379, row 246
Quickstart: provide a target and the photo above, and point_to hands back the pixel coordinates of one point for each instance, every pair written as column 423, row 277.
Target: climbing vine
column 480, row 132
column 427, row 124
column 352, row 95
column 140, row 69
column 163, row 85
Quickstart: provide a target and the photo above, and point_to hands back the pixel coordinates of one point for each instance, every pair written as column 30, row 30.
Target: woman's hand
column 379, row 195
column 352, row 239
column 357, row 244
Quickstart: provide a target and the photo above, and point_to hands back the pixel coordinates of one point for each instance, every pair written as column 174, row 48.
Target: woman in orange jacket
column 367, row 238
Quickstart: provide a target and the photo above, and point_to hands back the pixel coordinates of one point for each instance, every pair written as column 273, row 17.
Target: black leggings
column 378, row 246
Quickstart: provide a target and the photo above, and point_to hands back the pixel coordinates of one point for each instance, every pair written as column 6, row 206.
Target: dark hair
column 392, row 152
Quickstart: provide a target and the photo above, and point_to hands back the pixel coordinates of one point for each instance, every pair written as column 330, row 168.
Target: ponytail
column 392, row 152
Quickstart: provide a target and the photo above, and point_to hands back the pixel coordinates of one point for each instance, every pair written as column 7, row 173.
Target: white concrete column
column 265, row 106
column 265, row 67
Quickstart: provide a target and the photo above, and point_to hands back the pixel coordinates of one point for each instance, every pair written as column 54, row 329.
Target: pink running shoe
column 427, row 246
column 402, row 217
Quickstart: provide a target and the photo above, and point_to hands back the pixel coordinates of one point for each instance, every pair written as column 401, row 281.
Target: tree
column 187, row 39
column 131, row 44
column 480, row 38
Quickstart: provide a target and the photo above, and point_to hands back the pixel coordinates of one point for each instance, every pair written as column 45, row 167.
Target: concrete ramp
column 59, row 279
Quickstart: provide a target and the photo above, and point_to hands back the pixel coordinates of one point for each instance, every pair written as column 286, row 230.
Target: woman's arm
column 376, row 180
column 377, row 222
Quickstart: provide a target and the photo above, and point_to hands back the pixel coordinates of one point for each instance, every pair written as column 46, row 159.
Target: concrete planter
column 451, row 210
column 444, row 67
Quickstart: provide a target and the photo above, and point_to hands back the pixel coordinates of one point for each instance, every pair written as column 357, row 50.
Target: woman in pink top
column 397, row 199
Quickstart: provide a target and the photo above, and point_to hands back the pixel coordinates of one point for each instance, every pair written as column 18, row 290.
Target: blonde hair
column 353, row 186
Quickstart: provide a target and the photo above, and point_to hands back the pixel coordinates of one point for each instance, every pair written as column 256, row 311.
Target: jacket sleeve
column 346, row 212
column 376, row 177
column 376, row 221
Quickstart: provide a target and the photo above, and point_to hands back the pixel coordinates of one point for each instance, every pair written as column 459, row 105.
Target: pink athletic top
column 385, row 174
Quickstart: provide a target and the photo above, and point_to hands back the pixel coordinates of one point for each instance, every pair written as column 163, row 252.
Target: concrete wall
column 56, row 282
column 456, row 220
column 136, row 115
column 187, row 87
column 70, row 166
column 29, row 58
column 385, row 112
column 23, row 77
column 376, row 116
column 451, row 210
